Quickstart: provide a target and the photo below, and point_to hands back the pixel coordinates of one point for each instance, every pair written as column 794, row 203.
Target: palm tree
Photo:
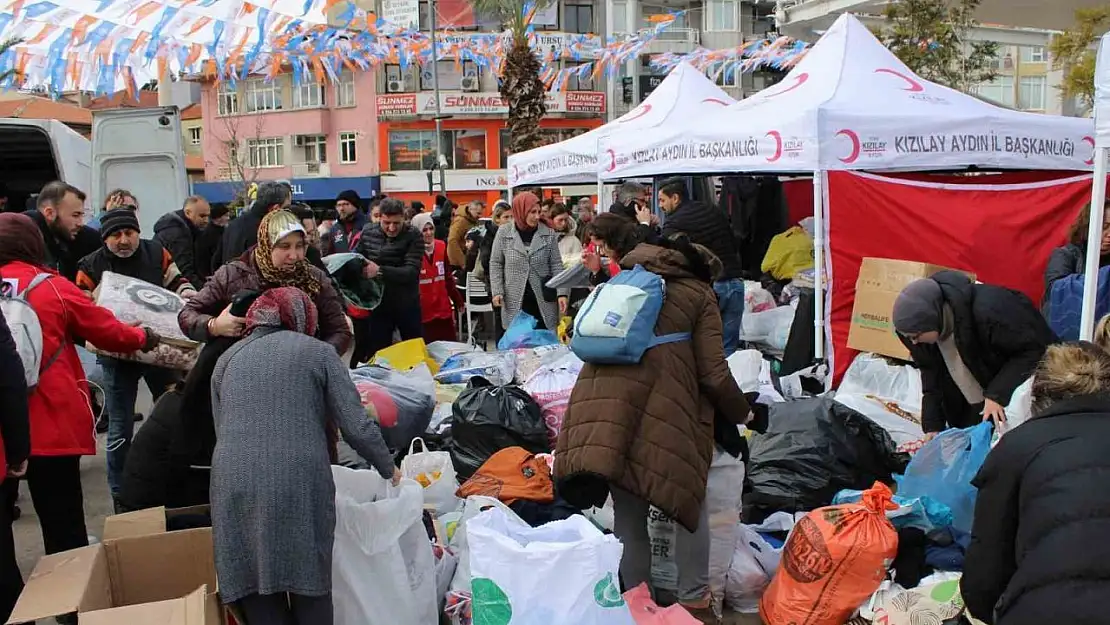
column 520, row 72
column 4, row 47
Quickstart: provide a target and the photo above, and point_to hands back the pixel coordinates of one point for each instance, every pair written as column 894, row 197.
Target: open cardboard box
column 164, row 578
column 148, row 521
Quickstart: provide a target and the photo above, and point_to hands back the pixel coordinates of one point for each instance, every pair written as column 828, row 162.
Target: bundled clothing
column 456, row 238
column 273, row 498
column 400, row 259
column 1038, row 551
column 179, row 237
column 991, row 339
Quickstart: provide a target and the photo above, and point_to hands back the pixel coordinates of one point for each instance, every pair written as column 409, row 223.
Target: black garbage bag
column 486, row 419
column 813, row 449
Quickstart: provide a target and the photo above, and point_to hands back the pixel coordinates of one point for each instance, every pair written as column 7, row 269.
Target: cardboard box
column 144, row 522
column 157, row 579
column 879, row 283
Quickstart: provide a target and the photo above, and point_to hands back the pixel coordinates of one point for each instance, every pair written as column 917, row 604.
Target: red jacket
column 437, row 286
column 61, row 417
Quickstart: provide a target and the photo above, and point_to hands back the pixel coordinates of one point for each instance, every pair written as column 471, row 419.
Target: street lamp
column 440, row 156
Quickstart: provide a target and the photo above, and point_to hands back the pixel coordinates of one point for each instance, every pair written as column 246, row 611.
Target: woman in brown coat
column 277, row 260
column 644, row 433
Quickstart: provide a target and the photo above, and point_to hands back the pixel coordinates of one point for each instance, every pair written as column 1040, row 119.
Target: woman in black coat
column 1038, row 550
column 974, row 343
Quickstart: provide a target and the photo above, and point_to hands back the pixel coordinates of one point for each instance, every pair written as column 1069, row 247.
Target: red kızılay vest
column 435, row 303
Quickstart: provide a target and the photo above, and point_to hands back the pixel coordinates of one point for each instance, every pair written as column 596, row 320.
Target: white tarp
column 684, row 94
column 1102, row 94
column 850, row 104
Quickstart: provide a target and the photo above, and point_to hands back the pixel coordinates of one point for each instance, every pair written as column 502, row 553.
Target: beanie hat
column 351, row 196
column 118, row 219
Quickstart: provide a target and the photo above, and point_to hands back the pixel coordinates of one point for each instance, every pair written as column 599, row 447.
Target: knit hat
column 919, row 308
column 350, row 195
column 280, row 225
column 420, row 220
column 118, row 219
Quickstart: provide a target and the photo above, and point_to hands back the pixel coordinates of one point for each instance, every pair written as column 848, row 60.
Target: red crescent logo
column 612, row 159
column 799, row 80
column 856, row 147
column 715, row 101
column 636, row 113
column 914, row 86
column 777, row 136
column 1091, row 141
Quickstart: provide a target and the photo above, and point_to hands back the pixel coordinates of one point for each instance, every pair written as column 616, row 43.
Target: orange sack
column 834, row 559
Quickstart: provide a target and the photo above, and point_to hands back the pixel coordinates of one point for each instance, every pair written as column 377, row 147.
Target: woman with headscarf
column 278, row 260
column 60, row 414
column 1038, row 551
column 437, row 285
column 974, row 343
column 273, row 498
column 525, row 256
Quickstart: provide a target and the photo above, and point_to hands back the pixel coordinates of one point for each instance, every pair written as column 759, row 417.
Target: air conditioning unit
column 470, row 83
column 395, row 86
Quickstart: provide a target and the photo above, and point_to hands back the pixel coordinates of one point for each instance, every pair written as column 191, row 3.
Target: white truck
column 140, row 150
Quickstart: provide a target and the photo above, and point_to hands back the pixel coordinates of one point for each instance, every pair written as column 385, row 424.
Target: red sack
column 646, row 612
column 834, row 559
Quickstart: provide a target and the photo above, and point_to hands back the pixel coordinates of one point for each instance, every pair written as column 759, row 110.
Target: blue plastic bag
column 923, row 513
column 943, row 469
column 522, row 332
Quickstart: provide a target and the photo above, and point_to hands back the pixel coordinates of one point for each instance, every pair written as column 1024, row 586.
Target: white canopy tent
column 1098, row 187
column 850, row 104
column 683, row 95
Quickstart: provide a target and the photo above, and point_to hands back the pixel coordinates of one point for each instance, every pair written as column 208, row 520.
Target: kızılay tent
column 850, row 104
column 683, row 95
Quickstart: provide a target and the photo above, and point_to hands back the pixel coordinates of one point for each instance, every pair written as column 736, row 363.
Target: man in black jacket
column 209, row 243
column 709, row 227
column 60, row 216
column 178, row 232
column 15, row 432
column 395, row 252
column 343, row 236
column 242, row 233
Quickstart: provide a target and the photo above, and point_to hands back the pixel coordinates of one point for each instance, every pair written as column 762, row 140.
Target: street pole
column 435, row 91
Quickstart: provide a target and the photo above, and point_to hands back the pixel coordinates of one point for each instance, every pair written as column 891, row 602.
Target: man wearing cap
column 343, row 236
column 126, row 254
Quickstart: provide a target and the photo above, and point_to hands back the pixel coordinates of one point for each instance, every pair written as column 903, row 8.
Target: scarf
column 287, row 308
column 957, row 368
column 21, row 240
column 522, row 205
column 418, row 222
column 276, row 226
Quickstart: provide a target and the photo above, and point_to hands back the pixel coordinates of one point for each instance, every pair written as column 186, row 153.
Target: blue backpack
column 616, row 323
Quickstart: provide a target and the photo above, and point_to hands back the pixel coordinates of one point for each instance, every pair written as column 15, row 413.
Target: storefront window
column 416, row 149
column 469, row 148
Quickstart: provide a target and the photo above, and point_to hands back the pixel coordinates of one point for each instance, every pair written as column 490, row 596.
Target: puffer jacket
column 708, row 226
column 400, row 259
column 179, row 236
column 648, row 428
column 1038, row 550
column 242, row 275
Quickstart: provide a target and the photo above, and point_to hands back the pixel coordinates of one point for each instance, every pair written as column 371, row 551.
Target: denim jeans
column 730, row 299
column 121, row 388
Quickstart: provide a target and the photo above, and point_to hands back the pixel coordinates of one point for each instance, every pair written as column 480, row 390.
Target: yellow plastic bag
column 406, row 355
column 789, row 253
column 563, row 331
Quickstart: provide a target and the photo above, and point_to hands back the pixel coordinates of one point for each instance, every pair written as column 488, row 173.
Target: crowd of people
column 253, row 426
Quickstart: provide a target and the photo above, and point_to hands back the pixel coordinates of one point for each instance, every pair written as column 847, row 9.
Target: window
column 314, row 148
column 1000, row 90
column 620, row 16
column 345, row 89
column 579, row 82
column 308, row 95
column 227, row 100
column 1032, row 54
column 416, row 149
column 194, row 136
column 469, row 148
column 347, row 150
column 722, row 15
column 1031, row 93
column 724, row 74
column 266, row 152
column 450, row 75
column 578, row 18
column 263, row 96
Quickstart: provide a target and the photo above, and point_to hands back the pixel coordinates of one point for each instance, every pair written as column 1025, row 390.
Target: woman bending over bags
column 974, row 343
column 1038, row 550
column 645, row 432
column 273, row 498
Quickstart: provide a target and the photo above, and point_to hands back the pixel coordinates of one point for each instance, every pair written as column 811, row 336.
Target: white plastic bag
column 745, row 366
column 561, row 573
column 432, row 470
column 440, row 351
column 472, row 507
column 889, row 395
column 754, row 563
column 551, row 386
column 722, row 501
column 771, row 327
column 661, row 532
column 756, row 298
column 1020, row 408
column 383, row 569
column 497, row 367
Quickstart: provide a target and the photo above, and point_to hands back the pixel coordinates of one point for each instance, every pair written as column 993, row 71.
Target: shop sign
column 407, row 105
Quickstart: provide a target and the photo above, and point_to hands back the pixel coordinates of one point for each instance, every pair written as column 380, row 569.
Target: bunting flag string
column 781, row 54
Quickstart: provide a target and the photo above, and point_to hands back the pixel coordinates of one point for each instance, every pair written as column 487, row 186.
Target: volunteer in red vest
column 437, row 285
column 61, row 419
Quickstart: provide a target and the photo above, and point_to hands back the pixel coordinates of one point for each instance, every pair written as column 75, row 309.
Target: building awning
column 304, row 189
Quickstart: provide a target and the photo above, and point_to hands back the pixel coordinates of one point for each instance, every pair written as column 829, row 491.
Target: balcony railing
column 311, row 170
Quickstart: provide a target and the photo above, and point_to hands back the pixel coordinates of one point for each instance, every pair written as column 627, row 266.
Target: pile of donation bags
column 822, row 474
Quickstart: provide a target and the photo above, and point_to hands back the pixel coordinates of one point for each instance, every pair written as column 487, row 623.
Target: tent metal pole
column 820, row 180
column 1094, row 235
